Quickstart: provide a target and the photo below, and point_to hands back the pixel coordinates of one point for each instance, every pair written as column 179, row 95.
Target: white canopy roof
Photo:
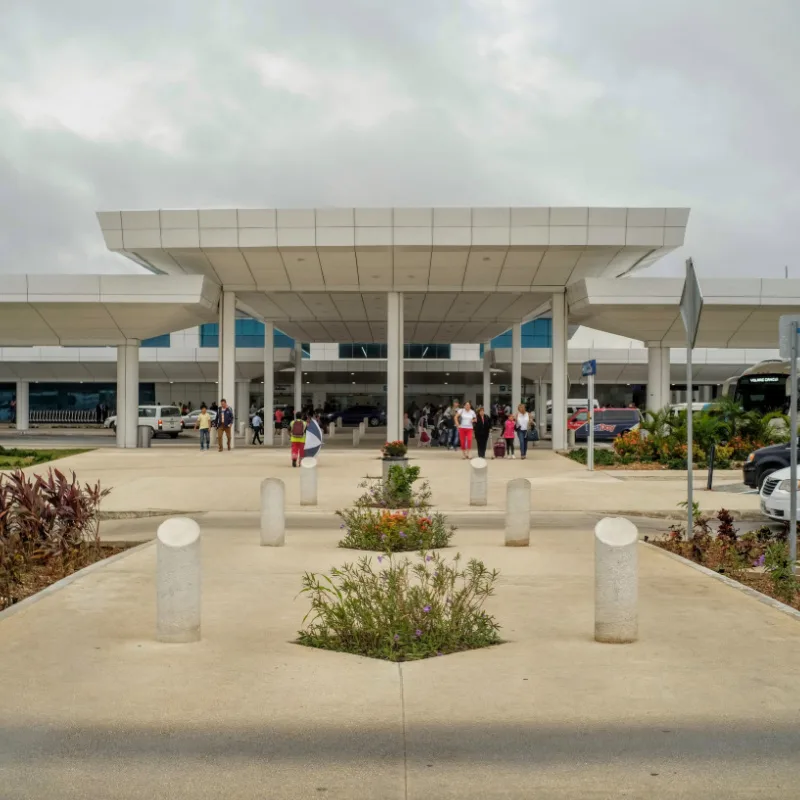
column 85, row 310
column 738, row 312
column 468, row 273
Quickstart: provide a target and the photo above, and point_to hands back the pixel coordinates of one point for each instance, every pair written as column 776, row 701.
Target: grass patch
column 17, row 458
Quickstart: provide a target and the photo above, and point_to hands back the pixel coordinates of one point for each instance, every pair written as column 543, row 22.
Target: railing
column 63, row 416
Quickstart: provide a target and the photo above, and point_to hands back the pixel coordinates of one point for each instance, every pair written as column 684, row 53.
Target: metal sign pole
column 689, row 445
column 590, row 422
column 793, row 455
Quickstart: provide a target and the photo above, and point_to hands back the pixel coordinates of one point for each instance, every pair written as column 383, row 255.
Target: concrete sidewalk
column 184, row 480
column 704, row 705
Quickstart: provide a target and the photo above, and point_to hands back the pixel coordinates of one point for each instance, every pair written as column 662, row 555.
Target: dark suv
column 355, row 414
column 763, row 462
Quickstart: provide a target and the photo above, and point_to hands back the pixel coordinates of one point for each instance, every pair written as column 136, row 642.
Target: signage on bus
column 761, row 379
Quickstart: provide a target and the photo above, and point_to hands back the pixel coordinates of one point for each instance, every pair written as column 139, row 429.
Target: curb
column 740, row 587
column 64, row 582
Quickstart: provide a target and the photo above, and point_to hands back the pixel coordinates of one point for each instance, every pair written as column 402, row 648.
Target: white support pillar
column 547, row 393
column 541, row 407
column 706, row 392
column 658, row 393
column 241, row 408
column 227, row 348
column 127, row 393
column 298, row 376
column 23, row 406
column 269, row 384
column 516, row 366
column 559, row 432
column 487, row 378
column 394, row 367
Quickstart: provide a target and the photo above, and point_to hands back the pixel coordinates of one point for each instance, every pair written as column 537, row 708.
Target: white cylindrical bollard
column 362, row 428
column 178, row 581
column 284, row 437
column 356, row 436
column 518, row 513
column 478, row 481
column 242, row 427
column 273, row 512
column 331, row 429
column 570, row 438
column 366, row 423
column 308, row 482
column 615, row 581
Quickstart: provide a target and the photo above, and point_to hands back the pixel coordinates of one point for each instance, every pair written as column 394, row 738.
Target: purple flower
column 427, row 609
column 428, row 558
column 380, row 559
column 417, row 633
column 397, row 637
column 402, row 534
column 759, row 562
column 383, row 537
column 341, row 526
column 438, row 653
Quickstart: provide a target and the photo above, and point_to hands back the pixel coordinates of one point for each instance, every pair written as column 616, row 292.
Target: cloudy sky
column 108, row 104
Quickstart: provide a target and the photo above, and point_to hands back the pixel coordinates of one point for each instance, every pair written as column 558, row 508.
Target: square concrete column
column 269, row 384
column 547, row 393
column 516, row 366
column 241, row 409
column 487, row 377
column 658, row 394
column 298, row 376
column 23, row 405
column 541, row 407
column 559, row 432
column 394, row 367
column 227, row 348
column 127, row 393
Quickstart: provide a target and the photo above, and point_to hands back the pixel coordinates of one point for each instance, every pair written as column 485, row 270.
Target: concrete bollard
column 242, row 427
column 570, row 438
column 362, row 429
column 478, row 481
column 178, row 581
column 366, row 423
column 331, row 430
column 356, row 436
column 308, row 482
column 615, row 581
column 284, row 437
column 273, row 512
column 518, row 513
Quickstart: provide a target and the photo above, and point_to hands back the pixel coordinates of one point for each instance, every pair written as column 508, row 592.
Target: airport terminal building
column 377, row 306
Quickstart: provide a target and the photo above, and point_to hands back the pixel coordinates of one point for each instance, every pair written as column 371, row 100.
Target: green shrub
column 377, row 529
column 602, row 457
column 400, row 611
column 779, row 568
column 397, row 491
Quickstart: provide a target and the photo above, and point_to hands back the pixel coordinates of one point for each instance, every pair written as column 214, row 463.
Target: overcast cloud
column 108, row 104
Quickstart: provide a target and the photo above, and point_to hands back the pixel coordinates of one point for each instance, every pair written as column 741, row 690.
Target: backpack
column 298, row 429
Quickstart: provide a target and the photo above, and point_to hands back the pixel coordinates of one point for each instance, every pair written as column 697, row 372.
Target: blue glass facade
column 249, row 333
column 536, row 333
column 157, row 341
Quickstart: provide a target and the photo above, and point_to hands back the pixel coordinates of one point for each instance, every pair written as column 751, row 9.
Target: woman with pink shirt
column 509, row 434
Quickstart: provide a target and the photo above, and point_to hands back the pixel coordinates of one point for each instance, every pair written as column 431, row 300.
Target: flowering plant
column 394, row 449
column 401, row 611
column 369, row 528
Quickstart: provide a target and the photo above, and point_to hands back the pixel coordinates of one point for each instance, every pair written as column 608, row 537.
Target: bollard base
column 179, row 637
column 611, row 636
column 518, row 542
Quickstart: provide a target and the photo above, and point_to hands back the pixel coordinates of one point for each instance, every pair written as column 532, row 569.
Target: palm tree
column 732, row 413
column 657, row 425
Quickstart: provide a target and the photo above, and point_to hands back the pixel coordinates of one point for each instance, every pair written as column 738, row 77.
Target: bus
column 764, row 387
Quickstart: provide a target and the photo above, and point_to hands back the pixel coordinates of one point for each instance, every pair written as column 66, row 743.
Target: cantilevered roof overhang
column 467, row 273
column 738, row 312
column 99, row 310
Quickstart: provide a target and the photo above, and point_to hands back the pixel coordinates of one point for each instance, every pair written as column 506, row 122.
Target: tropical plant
column 779, row 568
column 417, row 528
column 401, row 611
column 394, row 449
column 397, row 491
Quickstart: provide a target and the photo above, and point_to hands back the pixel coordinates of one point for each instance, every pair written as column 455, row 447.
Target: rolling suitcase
column 499, row 448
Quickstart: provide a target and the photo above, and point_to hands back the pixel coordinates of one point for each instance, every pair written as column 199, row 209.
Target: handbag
column 533, row 435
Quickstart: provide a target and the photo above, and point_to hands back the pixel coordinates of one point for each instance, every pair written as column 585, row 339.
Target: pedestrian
column 223, row 423
column 522, row 423
column 98, row 412
column 482, row 428
column 465, row 419
column 509, row 434
column 408, row 426
column 256, row 425
column 451, row 423
column 203, row 423
column 278, row 418
column 297, row 435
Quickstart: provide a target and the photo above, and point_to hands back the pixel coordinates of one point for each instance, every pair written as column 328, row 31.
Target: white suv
column 162, row 419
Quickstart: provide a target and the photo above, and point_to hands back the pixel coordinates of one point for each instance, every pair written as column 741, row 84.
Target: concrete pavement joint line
column 403, row 720
column 740, row 587
column 64, row 582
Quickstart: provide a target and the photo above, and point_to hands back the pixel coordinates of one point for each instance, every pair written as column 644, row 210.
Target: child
column 509, row 434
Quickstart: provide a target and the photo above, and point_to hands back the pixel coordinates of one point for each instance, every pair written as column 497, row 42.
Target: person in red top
column 278, row 418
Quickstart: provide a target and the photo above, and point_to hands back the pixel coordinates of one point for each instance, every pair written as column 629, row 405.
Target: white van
column 573, row 404
column 164, row 420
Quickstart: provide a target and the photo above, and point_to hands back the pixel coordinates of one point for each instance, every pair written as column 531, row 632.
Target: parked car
column 573, row 406
column 188, row 421
column 164, row 420
column 764, row 462
column 776, row 493
column 608, row 423
column 356, row 414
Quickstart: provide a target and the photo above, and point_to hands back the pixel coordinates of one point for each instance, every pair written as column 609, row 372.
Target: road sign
column 691, row 303
column 589, row 368
column 788, row 326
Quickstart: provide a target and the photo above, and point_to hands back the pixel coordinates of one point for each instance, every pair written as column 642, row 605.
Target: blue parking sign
column 589, row 368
